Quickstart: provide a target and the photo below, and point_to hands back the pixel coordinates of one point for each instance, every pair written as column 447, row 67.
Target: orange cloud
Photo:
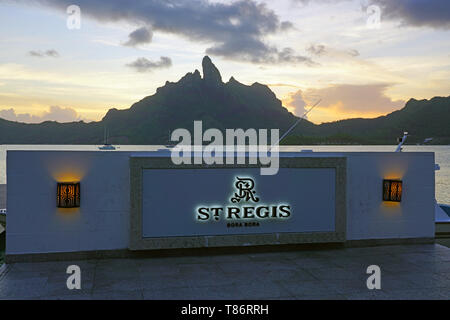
column 54, row 113
column 344, row 101
column 295, row 103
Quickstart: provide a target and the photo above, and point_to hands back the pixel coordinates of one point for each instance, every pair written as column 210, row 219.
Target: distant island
column 232, row 105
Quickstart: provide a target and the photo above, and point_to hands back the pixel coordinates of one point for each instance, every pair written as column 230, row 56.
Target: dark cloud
column 258, row 52
column 49, row 53
column 139, row 36
column 36, row 54
column 235, row 30
column 52, row 53
column 431, row 13
column 307, row 2
column 317, row 50
column 287, row 55
column 353, row 52
column 287, row 25
column 145, row 65
column 54, row 113
column 321, row 50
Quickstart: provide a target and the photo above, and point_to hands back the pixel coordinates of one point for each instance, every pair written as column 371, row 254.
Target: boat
column 107, row 146
column 425, row 141
column 441, row 211
column 442, row 221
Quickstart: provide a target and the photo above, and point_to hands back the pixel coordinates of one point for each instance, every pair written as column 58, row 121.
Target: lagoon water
column 442, row 157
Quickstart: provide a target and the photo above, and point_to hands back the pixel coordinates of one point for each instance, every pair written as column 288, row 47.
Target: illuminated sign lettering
column 244, row 194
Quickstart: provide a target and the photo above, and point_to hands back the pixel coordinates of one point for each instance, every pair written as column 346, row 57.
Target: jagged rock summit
column 211, row 74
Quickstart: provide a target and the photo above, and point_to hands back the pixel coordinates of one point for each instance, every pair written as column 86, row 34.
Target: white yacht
column 107, row 146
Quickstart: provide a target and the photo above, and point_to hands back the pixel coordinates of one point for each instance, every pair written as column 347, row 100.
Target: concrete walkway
column 407, row 272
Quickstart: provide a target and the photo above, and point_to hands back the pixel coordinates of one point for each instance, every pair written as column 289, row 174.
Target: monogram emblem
column 245, row 190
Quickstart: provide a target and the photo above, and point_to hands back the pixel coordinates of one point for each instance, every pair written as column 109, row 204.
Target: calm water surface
column 442, row 156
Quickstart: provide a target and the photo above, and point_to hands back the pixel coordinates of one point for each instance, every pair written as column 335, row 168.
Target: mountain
column 421, row 118
column 218, row 104
column 231, row 105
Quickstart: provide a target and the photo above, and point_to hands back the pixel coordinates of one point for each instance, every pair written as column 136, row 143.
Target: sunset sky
column 338, row 51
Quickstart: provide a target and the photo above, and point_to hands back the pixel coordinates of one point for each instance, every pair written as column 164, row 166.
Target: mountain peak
column 211, row 74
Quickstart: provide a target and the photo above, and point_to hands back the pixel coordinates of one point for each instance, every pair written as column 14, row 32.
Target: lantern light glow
column 392, row 190
column 68, row 195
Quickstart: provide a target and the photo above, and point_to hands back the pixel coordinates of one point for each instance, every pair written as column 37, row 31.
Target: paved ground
column 407, row 272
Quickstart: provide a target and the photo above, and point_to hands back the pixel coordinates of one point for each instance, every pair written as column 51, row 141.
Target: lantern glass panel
column 392, row 190
column 68, row 195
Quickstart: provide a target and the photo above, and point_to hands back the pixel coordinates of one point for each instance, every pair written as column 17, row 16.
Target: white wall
column 35, row 225
column 368, row 217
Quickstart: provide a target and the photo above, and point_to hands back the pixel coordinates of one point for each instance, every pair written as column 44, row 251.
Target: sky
column 361, row 58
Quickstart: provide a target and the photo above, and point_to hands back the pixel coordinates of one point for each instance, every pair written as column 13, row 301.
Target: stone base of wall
column 125, row 253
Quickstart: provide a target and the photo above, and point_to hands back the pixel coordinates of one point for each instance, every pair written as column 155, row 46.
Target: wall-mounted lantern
column 392, row 190
column 68, row 195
